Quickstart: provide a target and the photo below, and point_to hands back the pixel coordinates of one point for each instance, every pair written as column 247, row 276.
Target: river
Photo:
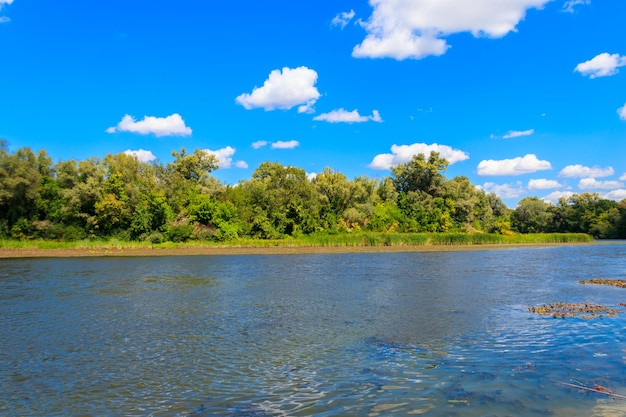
column 376, row 334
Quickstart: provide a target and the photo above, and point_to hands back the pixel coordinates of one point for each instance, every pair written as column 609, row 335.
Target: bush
column 22, row 229
column 180, row 233
column 73, row 233
column 154, row 237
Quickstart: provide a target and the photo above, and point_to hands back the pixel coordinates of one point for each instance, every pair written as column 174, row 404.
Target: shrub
column 180, row 233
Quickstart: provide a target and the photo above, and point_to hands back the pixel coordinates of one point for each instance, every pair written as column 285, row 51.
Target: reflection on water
column 438, row 334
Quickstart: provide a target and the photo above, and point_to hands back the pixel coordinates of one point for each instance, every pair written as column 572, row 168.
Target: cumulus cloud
column 602, row 65
column 615, row 195
column 503, row 190
column 543, row 184
column 516, row 166
column 259, row 144
column 344, row 116
column 342, row 19
column 622, row 112
column 284, row 90
column 414, row 29
column 142, row 155
column 623, row 177
column 290, row 144
column 225, row 157
column 593, row 184
column 404, row 153
column 517, row 133
column 581, row 171
column 172, row 125
column 554, row 196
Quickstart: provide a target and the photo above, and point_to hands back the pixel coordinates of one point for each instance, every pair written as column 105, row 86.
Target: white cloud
column 172, row 125
column 285, row 144
column 142, row 155
column 554, row 196
column 414, row 29
column 404, row 153
column 284, row 90
column 602, row 65
column 399, row 44
column 503, row 190
column 581, row 171
column 593, row 184
column 342, row 19
column 259, row 144
column 622, row 112
column 225, row 157
column 570, row 4
column 543, row 184
column 4, row 19
column 311, row 175
column 516, row 166
column 615, row 195
column 623, row 177
column 344, row 116
column 517, row 133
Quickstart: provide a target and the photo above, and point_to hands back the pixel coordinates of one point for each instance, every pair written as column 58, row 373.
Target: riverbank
column 247, row 250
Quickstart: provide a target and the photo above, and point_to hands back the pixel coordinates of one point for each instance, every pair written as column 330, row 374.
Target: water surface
column 437, row 334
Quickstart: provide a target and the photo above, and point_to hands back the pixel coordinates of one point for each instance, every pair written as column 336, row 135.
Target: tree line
column 122, row 197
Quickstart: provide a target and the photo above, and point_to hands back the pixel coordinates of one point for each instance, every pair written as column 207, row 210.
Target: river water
column 377, row 334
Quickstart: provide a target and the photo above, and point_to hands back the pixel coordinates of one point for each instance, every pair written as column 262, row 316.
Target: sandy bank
column 275, row 250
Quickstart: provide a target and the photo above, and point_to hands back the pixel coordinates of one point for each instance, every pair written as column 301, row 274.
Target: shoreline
column 272, row 250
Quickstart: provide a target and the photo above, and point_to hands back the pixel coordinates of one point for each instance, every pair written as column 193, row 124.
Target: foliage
column 121, row 197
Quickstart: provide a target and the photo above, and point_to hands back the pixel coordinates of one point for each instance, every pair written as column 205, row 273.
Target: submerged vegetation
column 567, row 310
column 603, row 281
column 583, row 310
column 120, row 198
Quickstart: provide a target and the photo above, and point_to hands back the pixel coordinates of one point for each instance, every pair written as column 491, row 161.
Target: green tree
column 187, row 176
column 336, row 195
column 284, row 201
column 152, row 214
column 20, row 179
column 82, row 187
column 420, row 174
column 531, row 215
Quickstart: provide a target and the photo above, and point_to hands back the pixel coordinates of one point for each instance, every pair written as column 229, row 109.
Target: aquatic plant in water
column 567, row 310
column 620, row 283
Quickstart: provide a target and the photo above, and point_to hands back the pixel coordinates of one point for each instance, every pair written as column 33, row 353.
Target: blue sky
column 524, row 97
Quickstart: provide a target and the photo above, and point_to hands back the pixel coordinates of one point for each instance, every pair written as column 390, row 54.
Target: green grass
column 354, row 239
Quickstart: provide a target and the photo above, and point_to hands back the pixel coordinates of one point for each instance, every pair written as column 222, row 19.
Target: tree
column 82, row 187
column 20, row 179
column 531, row 215
column 186, row 176
column 336, row 195
column 195, row 167
column 285, row 202
column 151, row 215
column 420, row 174
column 591, row 214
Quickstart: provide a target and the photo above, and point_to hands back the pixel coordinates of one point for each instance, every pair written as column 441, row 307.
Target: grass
column 346, row 240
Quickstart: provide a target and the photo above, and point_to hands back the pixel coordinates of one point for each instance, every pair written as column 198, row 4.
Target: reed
column 354, row 239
